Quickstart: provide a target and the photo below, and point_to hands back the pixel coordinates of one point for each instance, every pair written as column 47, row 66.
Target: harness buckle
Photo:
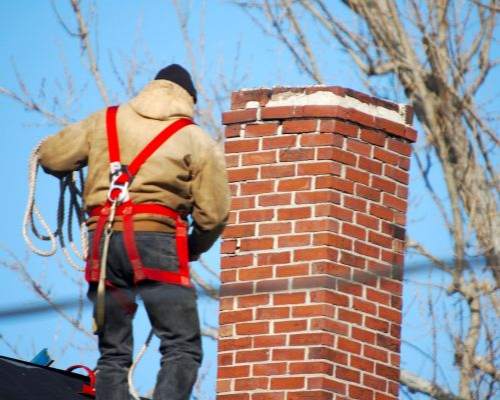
column 120, row 179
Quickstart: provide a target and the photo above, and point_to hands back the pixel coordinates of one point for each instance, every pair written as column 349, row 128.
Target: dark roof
column 21, row 380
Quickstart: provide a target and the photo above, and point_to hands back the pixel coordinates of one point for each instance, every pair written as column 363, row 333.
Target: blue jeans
column 171, row 310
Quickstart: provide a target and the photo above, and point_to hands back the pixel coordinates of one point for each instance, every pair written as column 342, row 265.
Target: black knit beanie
column 175, row 73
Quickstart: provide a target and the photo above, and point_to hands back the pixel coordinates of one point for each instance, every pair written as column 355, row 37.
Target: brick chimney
column 311, row 263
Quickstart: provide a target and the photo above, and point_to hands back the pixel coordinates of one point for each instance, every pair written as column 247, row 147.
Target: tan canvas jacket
column 187, row 173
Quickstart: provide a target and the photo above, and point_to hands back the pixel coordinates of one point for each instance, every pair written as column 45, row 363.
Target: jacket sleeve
column 211, row 197
column 68, row 149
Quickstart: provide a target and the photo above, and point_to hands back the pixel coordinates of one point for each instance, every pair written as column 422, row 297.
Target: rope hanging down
column 72, row 184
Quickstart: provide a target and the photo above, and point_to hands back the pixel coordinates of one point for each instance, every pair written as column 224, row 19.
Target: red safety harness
column 121, row 177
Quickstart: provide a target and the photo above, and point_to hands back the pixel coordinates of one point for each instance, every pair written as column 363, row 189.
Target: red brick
column 237, row 261
column 348, row 345
column 390, row 126
column 319, row 168
column 362, row 335
column 350, row 316
column 377, row 296
column 331, row 385
column 234, row 344
column 273, row 258
column 285, row 185
column 287, row 383
column 396, row 174
column 315, row 253
column 294, row 213
column 360, row 393
column 399, row 146
column 230, row 317
column 357, row 176
column 329, row 297
column 299, row 126
column 294, row 240
column 306, row 368
column 368, row 221
column 347, row 374
column 372, row 166
column 373, row 137
column 376, row 324
column 273, row 313
column 334, row 182
column 292, row 270
column 317, row 196
column 292, row 155
column 232, row 131
column 288, row 354
column 318, row 339
column 232, row 160
column 331, row 239
column 367, row 192
column 343, row 157
column 257, row 187
column 327, row 354
column 375, row 353
column 233, row 372
column 241, row 145
column 242, row 174
column 275, row 228
column 354, row 203
column 380, row 240
column 340, row 127
column 269, row 369
column 321, row 139
column 275, row 199
column 225, row 359
column 359, row 147
column 364, row 306
column 272, row 285
column 353, row 260
column 290, row 326
column 239, row 396
column 239, row 203
column 394, row 202
column 261, row 157
column 255, row 215
column 269, row 341
column 231, row 117
column 381, row 212
column 257, row 130
column 387, row 372
column 253, row 300
column 375, row 382
column 279, row 142
column 389, row 314
column 366, row 249
column 383, row 184
column 251, row 383
column 385, row 156
column 267, row 395
column 277, row 171
column 250, row 274
column 289, row 298
column 244, row 356
column 313, row 310
column 228, row 246
column 316, row 225
column 281, row 112
column 353, row 231
column 331, row 210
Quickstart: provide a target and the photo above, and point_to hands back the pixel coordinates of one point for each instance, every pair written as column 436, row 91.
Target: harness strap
column 112, row 132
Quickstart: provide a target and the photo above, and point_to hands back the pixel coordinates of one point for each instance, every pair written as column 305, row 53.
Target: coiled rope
column 73, row 183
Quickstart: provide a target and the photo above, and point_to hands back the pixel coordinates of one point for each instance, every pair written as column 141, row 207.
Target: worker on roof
column 139, row 204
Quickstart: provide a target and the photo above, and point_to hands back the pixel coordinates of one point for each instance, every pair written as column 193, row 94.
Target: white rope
column 32, row 210
column 132, row 389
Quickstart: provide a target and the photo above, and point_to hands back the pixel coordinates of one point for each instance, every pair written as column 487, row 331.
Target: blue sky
column 34, row 42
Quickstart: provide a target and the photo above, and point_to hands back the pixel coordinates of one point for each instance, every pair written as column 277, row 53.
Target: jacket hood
column 161, row 99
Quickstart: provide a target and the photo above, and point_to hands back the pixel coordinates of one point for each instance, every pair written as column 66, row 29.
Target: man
column 145, row 210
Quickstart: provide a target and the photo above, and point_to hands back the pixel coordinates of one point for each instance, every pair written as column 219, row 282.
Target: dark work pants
column 171, row 310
